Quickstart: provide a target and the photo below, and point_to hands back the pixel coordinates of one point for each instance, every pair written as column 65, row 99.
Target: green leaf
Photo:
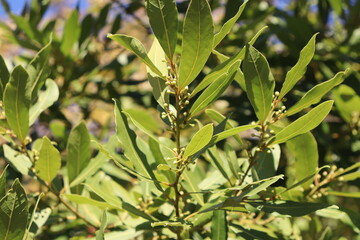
column 267, row 162
column 49, row 162
column 4, row 76
column 3, row 183
column 315, row 94
column 219, row 225
column 78, row 199
column 199, row 140
column 191, row 184
column 347, row 102
column 304, row 152
column 163, row 17
column 156, row 55
column 198, row 35
column 256, row 188
column 345, row 194
column 16, row 103
column 226, row 28
column 214, row 91
column 101, row 231
column 294, row 209
column 127, row 138
column 303, row 124
column 250, row 234
column 259, row 82
column 231, row 132
column 45, row 100
column 351, row 176
column 17, row 160
column 78, row 149
column 297, row 72
column 72, row 30
column 24, row 25
column 13, row 213
column 136, row 47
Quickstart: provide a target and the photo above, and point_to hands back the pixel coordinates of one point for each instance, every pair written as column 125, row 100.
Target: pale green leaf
column 198, row 35
column 100, row 233
column 303, row 124
column 78, row 199
column 49, row 162
column 78, row 149
column 351, row 176
column 199, row 140
column 259, row 81
column 297, row 72
column 315, row 94
column 214, row 91
column 191, row 184
column 136, row 47
column 14, row 213
column 17, row 160
column 226, row 28
column 4, row 76
column 219, row 225
column 71, row 33
column 163, row 17
column 16, row 103
column 46, row 99
column 345, row 194
column 347, row 102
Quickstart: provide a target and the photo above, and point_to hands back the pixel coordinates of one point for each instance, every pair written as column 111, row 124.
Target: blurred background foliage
column 90, row 70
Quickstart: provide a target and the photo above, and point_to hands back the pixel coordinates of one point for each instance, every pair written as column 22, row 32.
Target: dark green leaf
column 198, row 35
column 3, row 183
column 303, row 124
column 163, row 17
column 16, row 103
column 250, row 234
column 259, row 82
column 219, row 225
column 4, row 76
column 13, row 213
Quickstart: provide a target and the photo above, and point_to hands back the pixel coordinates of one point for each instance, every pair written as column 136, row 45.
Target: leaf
column 46, row 99
column 136, row 47
column 16, row 103
column 101, row 231
column 163, row 17
column 250, row 234
column 4, row 76
column 226, row 28
column 128, row 140
column 13, row 213
column 78, row 199
column 214, row 91
column 231, row 132
column 3, row 183
column 351, row 176
column 294, row 209
column 303, row 124
column 49, row 162
column 219, row 225
column 156, row 55
column 200, row 139
column 315, row 94
column 267, row 162
column 345, row 194
column 191, row 184
column 255, row 189
column 198, row 35
column 19, row 161
column 297, row 72
column 78, row 149
column 347, row 102
column 259, row 82
column 304, row 152
column 71, row 33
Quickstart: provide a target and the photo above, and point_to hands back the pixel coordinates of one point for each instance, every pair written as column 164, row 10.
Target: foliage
column 175, row 165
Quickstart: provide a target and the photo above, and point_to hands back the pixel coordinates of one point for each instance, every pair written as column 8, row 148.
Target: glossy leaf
column 49, row 162
column 127, row 138
column 199, row 140
column 100, row 233
column 214, row 91
column 198, row 35
column 259, row 81
column 14, row 213
column 163, row 17
column 78, row 149
column 17, row 160
column 46, row 99
column 294, row 209
column 4, row 76
column 297, row 72
column 226, row 28
column 315, row 94
column 71, row 33
column 304, row 152
column 16, row 103
column 303, row 124
column 347, row 102
column 136, row 47
column 219, row 225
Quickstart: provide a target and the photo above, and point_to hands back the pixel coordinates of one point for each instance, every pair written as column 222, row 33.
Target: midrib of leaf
column 218, row 227
column 17, row 110
column 38, row 109
column 48, row 164
column 262, row 88
column 37, row 78
column 10, row 220
column 197, row 50
column 166, row 31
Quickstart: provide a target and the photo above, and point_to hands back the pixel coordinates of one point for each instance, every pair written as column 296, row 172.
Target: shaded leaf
column 198, row 35
column 4, row 76
column 347, row 102
column 267, row 162
column 345, row 194
column 199, row 140
column 250, row 234
column 3, row 183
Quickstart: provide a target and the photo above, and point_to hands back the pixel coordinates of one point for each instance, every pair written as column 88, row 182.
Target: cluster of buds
column 355, row 123
column 277, row 114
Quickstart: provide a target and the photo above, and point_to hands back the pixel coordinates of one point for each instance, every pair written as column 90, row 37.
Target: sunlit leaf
column 71, row 33
column 199, row 140
column 219, row 225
